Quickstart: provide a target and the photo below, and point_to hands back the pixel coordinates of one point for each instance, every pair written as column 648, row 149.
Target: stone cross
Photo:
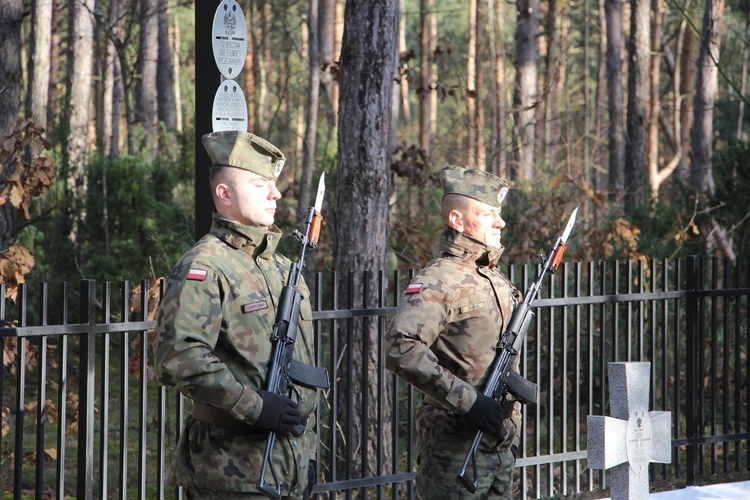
column 633, row 437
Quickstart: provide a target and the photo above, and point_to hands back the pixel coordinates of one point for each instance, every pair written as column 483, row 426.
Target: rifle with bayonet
column 503, row 379
column 283, row 370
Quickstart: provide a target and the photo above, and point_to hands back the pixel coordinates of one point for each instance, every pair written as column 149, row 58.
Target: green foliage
column 135, row 222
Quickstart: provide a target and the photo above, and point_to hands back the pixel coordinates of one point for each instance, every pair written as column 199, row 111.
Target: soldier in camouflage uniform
column 213, row 335
column 442, row 341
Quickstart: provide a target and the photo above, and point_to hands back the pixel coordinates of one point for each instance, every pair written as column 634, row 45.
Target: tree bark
column 146, row 101
column 743, row 81
column 362, row 192
column 80, row 64
column 552, row 128
column 600, row 159
column 525, row 93
column 636, row 157
column 497, row 60
column 471, row 89
column 164, row 70
column 480, row 147
column 311, row 113
column 37, row 95
column 701, row 168
column 11, row 15
column 328, row 65
column 613, row 9
column 427, row 74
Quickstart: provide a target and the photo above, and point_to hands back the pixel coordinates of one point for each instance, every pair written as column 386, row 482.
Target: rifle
column 502, row 378
column 283, row 370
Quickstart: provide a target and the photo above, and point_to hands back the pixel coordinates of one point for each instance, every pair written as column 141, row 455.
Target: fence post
column 86, row 395
column 692, row 376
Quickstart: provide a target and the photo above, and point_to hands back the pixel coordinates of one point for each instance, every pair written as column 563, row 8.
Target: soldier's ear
column 222, row 194
column 456, row 220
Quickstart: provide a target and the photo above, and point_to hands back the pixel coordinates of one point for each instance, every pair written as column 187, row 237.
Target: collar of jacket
column 257, row 241
column 459, row 245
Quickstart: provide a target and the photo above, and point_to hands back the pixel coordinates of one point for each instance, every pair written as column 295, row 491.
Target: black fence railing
column 82, row 416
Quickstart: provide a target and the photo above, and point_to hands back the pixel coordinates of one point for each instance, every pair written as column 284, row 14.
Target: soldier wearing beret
column 212, row 339
column 442, row 341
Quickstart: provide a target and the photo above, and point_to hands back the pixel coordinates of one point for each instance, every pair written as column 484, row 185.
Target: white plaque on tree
column 230, row 108
column 229, row 38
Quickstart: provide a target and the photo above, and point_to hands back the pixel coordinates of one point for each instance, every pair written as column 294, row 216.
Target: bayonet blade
column 321, row 193
column 569, row 227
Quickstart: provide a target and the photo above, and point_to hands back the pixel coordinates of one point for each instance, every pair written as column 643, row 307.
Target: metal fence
column 82, row 415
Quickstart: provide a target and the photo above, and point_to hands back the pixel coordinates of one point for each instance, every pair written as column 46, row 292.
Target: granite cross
column 633, row 436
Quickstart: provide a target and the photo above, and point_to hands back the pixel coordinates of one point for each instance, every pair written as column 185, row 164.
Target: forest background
column 632, row 111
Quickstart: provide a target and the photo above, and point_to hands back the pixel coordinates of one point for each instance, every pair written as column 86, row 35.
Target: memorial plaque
column 229, row 38
column 639, row 440
column 230, row 108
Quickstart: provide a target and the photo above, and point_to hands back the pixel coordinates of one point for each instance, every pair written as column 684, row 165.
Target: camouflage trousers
column 193, row 493
column 436, row 475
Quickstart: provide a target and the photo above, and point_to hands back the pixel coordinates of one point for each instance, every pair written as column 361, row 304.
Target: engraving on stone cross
column 633, row 437
column 230, row 109
column 229, row 38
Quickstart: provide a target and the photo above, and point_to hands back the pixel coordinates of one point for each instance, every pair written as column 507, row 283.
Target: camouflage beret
column 235, row 148
column 477, row 184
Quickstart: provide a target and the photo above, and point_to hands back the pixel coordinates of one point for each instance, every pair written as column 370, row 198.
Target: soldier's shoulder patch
column 413, row 288
column 197, row 274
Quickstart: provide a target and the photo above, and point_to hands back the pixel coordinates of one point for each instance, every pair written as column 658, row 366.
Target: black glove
column 279, row 414
column 488, row 415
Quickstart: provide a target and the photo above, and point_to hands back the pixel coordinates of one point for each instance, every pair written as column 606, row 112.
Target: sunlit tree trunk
column 362, row 191
column 311, row 113
column 53, row 93
column 146, row 93
column 427, row 74
column 164, row 69
column 613, row 9
column 37, row 95
column 687, row 68
column 551, row 128
column 525, row 93
column 403, row 81
column 656, row 176
column 636, row 154
column 471, row 89
column 600, row 127
column 701, row 168
column 497, row 59
column 80, row 71
column 480, row 147
column 176, row 64
column 328, row 65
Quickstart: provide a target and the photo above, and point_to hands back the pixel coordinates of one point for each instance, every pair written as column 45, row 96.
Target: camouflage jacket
column 443, row 336
column 212, row 344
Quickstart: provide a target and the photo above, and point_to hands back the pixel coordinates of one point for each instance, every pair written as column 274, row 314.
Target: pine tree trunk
column 525, row 94
column 636, row 157
column 471, row 88
column 164, row 70
column 701, row 168
column 11, row 15
column 428, row 74
column 362, row 192
column 613, row 9
column 311, row 114
column 600, row 158
column 146, row 100
column 41, row 36
column 80, row 70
